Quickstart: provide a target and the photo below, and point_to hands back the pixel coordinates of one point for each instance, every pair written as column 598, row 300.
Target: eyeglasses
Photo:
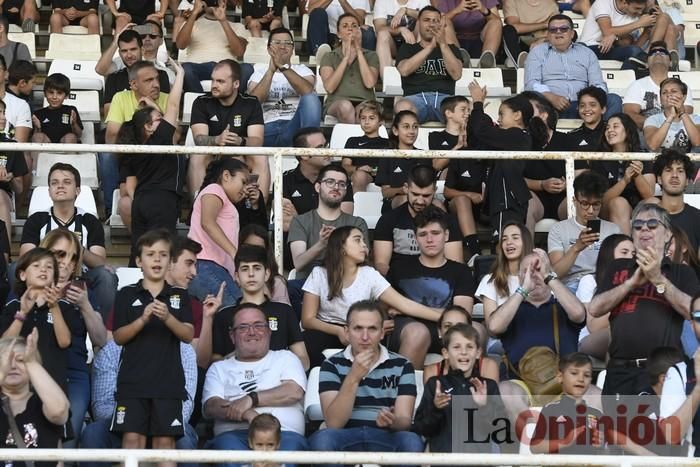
column 559, row 29
column 659, row 52
column 651, row 224
column 586, row 205
column 332, row 183
column 150, row 36
column 246, row 328
column 282, row 43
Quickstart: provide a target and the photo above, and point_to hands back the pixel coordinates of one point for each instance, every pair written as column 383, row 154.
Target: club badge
column 175, row 302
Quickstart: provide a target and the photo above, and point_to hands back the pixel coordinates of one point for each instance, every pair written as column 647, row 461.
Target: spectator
column 431, row 280
column 526, row 27
column 105, row 368
column 673, row 171
column 285, row 91
column 136, row 11
column 395, row 23
column 74, row 13
column 475, row 26
column 37, row 406
column 209, row 38
column 674, row 127
column 541, row 312
column 455, row 134
column 642, row 97
column 264, row 434
column 617, row 29
column 349, row 72
column 151, row 33
column 326, row 300
column 215, row 225
column 361, row 412
column 57, row 122
column 155, row 183
column 629, row 182
column 11, row 50
column 324, row 22
column 362, row 170
column 264, row 381
column 87, row 323
column 592, row 104
column 394, row 235
column 430, row 68
column 227, row 117
column 20, row 81
column 64, row 188
column 262, row 16
column 18, row 116
column 546, row 72
column 574, row 243
column 12, row 168
column 276, row 285
column 648, row 289
column 152, row 318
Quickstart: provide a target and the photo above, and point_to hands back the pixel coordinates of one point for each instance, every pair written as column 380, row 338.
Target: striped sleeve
column 329, row 377
column 407, row 382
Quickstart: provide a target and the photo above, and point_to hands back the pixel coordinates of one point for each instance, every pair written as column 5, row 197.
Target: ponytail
column 216, row 169
column 538, row 132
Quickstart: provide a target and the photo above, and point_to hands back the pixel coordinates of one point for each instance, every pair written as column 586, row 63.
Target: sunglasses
column 651, row 224
column 559, row 29
column 659, row 52
column 150, row 36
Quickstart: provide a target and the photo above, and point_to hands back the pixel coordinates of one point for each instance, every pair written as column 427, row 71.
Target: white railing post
column 277, row 209
column 570, row 175
column 131, row 461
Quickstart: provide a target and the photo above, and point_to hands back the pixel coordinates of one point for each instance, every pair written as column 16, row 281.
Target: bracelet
column 20, row 317
column 522, row 292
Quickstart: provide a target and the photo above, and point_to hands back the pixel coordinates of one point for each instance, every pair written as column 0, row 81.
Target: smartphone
column 79, row 282
column 696, row 315
column 253, row 179
column 143, row 29
column 594, row 225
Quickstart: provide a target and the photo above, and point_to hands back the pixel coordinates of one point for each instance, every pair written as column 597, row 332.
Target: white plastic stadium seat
column 41, row 201
column 88, row 136
column 86, row 163
column 520, row 80
column 691, row 9
column 27, row 38
column 528, row 432
column 115, row 220
column 492, row 78
column 128, row 276
column 312, row 400
column 690, row 78
column 692, row 200
column 187, row 106
column 419, row 389
column 422, row 139
column 544, row 225
column 600, row 381
column 87, row 103
column 368, row 205
column 81, row 73
column 343, row 131
column 491, row 106
column 618, row 80
column 74, row 46
column 391, row 83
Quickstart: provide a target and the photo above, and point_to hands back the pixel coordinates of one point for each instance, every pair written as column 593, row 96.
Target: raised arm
column 172, row 110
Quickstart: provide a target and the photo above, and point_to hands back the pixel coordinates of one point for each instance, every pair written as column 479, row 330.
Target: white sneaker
column 487, row 60
column 322, row 50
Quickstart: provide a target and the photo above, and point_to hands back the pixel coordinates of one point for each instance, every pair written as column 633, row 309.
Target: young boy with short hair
column 151, row 318
column 264, row 434
column 57, row 123
column 362, row 170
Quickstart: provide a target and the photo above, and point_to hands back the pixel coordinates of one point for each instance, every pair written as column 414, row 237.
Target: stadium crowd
column 384, row 329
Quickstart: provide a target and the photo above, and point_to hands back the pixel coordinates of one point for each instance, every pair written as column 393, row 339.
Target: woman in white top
column 672, row 128
column 395, row 24
column 343, row 280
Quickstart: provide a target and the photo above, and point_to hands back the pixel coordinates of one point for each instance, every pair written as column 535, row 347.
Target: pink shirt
column 227, row 219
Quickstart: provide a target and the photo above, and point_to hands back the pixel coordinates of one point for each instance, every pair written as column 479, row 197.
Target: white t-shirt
column 231, row 379
column 645, row 92
column 208, row 42
column 334, row 10
column 676, row 137
column 488, row 289
column 586, row 288
column 591, row 34
column 386, row 8
column 368, row 285
column 17, row 112
column 282, row 99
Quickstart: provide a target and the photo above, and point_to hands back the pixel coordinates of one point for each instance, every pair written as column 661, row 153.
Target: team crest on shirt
column 65, row 119
column 175, row 302
column 121, row 415
column 237, row 121
column 49, row 317
column 249, row 374
column 272, row 322
column 3, row 160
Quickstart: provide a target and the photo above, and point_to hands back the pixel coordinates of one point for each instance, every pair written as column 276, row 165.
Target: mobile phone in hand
column 594, row 225
column 253, row 179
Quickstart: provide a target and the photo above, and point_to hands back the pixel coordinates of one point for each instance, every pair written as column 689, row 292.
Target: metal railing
column 278, row 153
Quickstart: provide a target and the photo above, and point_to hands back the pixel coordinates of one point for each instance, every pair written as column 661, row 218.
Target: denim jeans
column 79, row 398
column 319, row 33
column 428, row 106
column 689, row 339
column 621, row 53
column 613, row 107
column 108, row 168
column 102, row 289
column 365, row 439
column 208, row 279
column 281, row 132
column 197, row 72
column 237, row 440
column 96, row 435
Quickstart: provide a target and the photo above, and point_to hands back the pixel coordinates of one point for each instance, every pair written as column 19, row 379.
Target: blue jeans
column 621, row 53
column 208, row 279
column 96, row 435
column 319, row 33
column 196, row 72
column 237, row 440
column 108, row 168
column 428, row 105
column 689, row 339
column 281, row 132
column 102, row 289
column 365, row 439
column 613, row 107
column 79, row 397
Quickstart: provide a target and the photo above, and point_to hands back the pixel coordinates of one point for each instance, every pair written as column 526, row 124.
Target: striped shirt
column 390, row 377
column 563, row 73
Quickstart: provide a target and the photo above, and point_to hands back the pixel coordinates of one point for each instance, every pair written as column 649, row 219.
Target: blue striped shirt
column 563, row 73
column 392, row 376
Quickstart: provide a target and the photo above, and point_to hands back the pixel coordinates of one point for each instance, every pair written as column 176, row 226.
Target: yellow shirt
column 124, row 104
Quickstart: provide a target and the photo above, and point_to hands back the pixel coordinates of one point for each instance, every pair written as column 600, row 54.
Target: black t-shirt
column 394, row 172
column 613, row 171
column 432, row 287
column 431, row 76
column 397, row 226
column 38, row 432
column 157, row 172
column 583, row 139
column 119, row 81
column 645, row 320
column 688, row 220
column 14, row 163
column 54, row 358
column 138, row 9
column 301, row 192
column 80, row 5
column 259, row 8
column 244, row 111
column 280, row 316
column 363, row 142
column 556, row 417
column 150, row 365
column 56, row 122
column 466, row 175
column 87, row 227
column 443, row 141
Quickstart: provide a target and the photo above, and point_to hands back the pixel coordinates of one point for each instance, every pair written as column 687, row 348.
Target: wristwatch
column 660, row 288
column 284, row 68
column 550, row 277
column 488, row 12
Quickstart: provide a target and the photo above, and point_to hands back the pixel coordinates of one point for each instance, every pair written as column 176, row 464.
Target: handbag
column 14, row 429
